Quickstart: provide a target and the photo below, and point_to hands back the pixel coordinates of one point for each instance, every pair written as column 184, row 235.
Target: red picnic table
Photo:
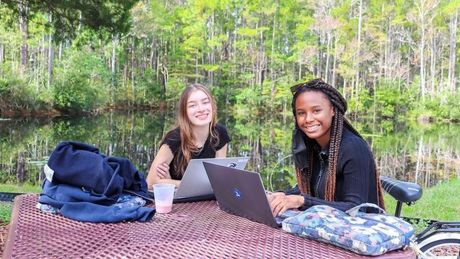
column 191, row 230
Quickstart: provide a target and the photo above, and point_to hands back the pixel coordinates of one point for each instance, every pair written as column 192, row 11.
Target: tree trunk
column 261, row 61
column 20, row 169
column 133, row 87
column 452, row 50
column 334, row 62
column 196, row 69
column 358, row 49
column 272, row 53
column 299, row 74
column 153, row 56
column 317, row 69
column 2, row 57
column 113, row 68
column 163, row 80
column 433, row 64
column 2, row 53
column 424, row 8
column 60, row 51
column 387, row 51
column 212, row 52
column 50, row 57
column 23, row 7
column 422, row 61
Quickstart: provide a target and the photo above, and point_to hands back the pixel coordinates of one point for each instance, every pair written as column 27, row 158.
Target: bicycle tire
column 441, row 244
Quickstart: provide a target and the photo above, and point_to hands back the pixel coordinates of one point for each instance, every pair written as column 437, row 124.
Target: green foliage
column 16, row 94
column 67, row 16
column 362, row 102
column 6, row 207
column 452, row 107
column 5, row 212
column 442, row 107
column 82, row 83
column 147, row 91
column 174, row 89
column 391, row 101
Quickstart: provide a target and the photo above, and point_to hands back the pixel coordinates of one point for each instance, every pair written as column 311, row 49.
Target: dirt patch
column 3, row 235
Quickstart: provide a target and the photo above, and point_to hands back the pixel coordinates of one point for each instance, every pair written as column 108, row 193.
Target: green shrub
column 16, row 94
column 392, row 100
column 147, row 91
column 442, row 107
column 82, row 83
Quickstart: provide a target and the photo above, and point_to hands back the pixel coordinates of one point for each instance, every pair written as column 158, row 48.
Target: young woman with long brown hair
column 334, row 164
column 196, row 135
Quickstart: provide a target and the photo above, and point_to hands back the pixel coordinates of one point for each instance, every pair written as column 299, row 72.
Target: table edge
column 7, row 252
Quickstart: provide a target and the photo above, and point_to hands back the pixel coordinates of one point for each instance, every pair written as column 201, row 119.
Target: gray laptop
column 242, row 193
column 195, row 182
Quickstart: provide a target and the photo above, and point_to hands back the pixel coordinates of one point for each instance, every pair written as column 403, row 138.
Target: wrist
column 300, row 201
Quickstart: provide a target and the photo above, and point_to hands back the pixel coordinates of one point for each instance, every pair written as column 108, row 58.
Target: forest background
column 391, row 59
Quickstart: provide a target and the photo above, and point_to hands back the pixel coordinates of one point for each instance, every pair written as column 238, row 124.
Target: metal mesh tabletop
column 191, row 230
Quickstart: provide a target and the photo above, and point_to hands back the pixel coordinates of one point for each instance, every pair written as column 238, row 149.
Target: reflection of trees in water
column 427, row 165
column 426, row 156
column 20, row 145
column 267, row 140
column 400, row 152
column 133, row 135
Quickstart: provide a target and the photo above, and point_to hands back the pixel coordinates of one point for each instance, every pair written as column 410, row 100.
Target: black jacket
column 356, row 177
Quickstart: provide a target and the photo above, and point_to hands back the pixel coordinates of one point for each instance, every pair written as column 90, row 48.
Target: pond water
column 425, row 153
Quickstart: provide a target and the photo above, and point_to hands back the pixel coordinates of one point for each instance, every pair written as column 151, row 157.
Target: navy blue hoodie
column 85, row 184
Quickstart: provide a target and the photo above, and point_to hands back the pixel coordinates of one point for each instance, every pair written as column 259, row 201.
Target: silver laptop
column 195, row 181
column 242, row 193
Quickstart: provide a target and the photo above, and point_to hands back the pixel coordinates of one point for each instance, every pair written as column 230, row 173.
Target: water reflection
column 423, row 153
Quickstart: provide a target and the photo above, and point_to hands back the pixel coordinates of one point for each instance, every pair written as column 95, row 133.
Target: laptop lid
column 195, row 181
column 241, row 193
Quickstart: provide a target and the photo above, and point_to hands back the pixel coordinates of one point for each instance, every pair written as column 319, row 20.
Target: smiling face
column 314, row 113
column 199, row 108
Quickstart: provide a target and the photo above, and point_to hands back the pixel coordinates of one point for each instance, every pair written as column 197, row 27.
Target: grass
column 5, row 212
column 6, row 207
column 26, row 188
column 441, row 202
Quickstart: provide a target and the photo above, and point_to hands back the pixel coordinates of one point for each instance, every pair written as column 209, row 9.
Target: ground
column 3, row 234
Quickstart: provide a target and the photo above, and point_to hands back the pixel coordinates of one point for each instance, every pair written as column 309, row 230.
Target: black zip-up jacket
column 356, row 177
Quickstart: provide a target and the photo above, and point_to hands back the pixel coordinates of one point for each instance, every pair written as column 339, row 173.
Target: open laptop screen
column 195, row 181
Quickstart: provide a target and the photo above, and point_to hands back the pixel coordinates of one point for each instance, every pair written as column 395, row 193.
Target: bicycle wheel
column 444, row 245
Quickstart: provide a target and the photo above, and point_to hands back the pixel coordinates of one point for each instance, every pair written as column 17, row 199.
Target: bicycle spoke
column 444, row 251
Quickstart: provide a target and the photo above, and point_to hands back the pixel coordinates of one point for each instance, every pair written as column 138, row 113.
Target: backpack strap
column 354, row 211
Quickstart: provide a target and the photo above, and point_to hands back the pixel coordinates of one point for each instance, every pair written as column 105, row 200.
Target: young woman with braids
column 196, row 135
column 334, row 165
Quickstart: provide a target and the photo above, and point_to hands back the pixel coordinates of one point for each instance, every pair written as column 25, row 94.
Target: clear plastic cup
column 164, row 194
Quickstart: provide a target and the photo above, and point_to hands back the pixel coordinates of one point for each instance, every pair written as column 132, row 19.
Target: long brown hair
column 187, row 145
column 338, row 123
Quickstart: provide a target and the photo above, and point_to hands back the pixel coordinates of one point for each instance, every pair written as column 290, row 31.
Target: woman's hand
column 280, row 202
column 163, row 171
